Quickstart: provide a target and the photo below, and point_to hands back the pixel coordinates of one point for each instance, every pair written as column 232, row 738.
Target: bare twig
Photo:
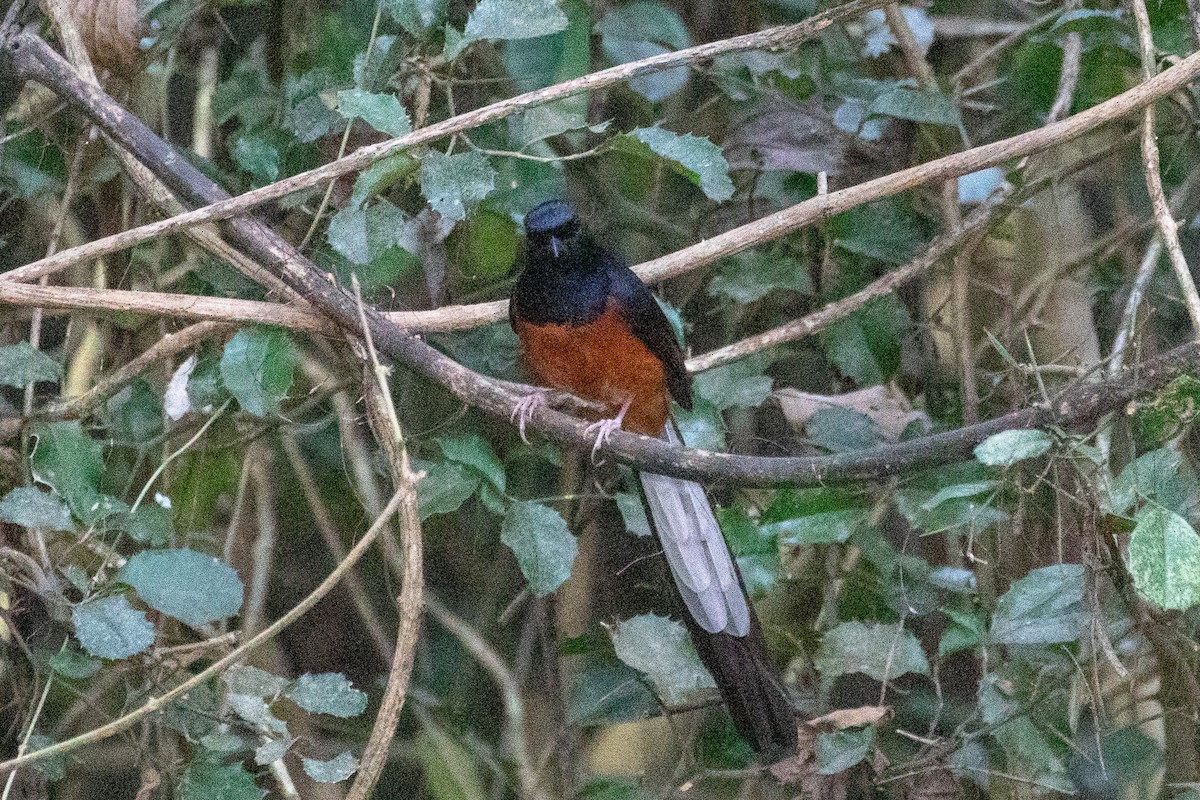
column 1167, row 229
column 386, row 426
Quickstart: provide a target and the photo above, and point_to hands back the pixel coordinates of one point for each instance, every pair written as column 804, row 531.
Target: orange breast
column 601, row 361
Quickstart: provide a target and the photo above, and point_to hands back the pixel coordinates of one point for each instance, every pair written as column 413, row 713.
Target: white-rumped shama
column 587, row 325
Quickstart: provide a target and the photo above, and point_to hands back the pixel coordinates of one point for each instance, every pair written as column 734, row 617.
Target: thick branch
column 1078, row 409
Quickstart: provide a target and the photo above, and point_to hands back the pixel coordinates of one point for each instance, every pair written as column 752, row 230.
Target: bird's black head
column 552, row 230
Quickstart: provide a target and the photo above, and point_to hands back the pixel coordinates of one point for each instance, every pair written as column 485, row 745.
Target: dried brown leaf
column 853, row 717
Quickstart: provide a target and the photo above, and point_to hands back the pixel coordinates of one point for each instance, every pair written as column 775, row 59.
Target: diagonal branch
column 1078, row 409
column 770, row 39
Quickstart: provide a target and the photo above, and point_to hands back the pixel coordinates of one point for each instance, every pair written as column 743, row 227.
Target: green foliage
column 921, row 569
column 328, row 693
column 256, row 367
column 21, row 364
column 697, row 158
column 455, row 184
column 192, row 587
column 1044, row 607
column 882, row 652
column 1009, row 447
column 450, row 772
column 110, row 628
column 542, row 543
column 72, row 463
column 204, row 780
column 514, row 19
column 640, row 30
column 32, row 508
column 382, row 112
column 838, row 751
column 336, row 769
column 1164, row 559
column 660, row 648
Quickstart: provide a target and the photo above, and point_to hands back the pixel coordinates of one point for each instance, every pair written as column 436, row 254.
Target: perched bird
column 587, row 325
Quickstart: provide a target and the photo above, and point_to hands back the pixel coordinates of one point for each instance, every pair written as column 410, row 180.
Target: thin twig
column 154, row 704
column 770, row 39
column 386, row 425
column 1167, row 229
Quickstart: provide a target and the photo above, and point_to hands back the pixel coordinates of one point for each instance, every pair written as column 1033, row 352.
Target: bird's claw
column 524, row 409
column 604, row 428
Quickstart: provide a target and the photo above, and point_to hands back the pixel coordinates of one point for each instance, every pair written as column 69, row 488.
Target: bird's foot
column 604, row 428
column 524, row 409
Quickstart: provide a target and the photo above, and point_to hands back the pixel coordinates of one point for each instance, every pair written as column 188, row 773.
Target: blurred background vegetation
column 1021, row 624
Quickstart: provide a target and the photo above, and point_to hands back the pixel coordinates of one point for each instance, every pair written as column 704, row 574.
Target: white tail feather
column 696, row 552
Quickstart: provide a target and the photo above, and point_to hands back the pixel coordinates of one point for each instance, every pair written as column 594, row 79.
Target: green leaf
column 335, row 769
column 135, row 413
column 882, row 652
column 739, row 384
column 1164, row 559
column 930, row 106
column 450, row 771
column 69, row 461
column 640, row 30
column 866, row 345
column 151, row 524
column 192, row 587
column 823, row 527
column 514, row 19
column 886, row 230
column 22, row 364
column 416, row 16
column 633, row 512
column 444, row 487
column 967, row 629
column 328, row 693
column 256, row 367
column 473, row 451
column 1008, row 447
column 243, row 679
column 254, row 709
column 1159, row 475
column 839, row 429
column 258, row 156
column 838, row 751
column 381, row 176
column 365, row 234
column 382, row 112
column 1044, row 607
column 749, row 277
column 111, row 628
column 545, row 61
column 272, row 750
column 71, row 663
column 701, row 161
column 662, row 649
column 33, row 508
column 544, row 547
column 959, row 491
column 54, row 767
column 455, row 184
column 209, row 780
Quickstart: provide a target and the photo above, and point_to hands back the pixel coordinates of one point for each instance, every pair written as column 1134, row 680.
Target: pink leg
column 525, row 408
column 604, row 428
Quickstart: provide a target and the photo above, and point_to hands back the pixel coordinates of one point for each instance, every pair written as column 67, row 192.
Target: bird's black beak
column 556, row 246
